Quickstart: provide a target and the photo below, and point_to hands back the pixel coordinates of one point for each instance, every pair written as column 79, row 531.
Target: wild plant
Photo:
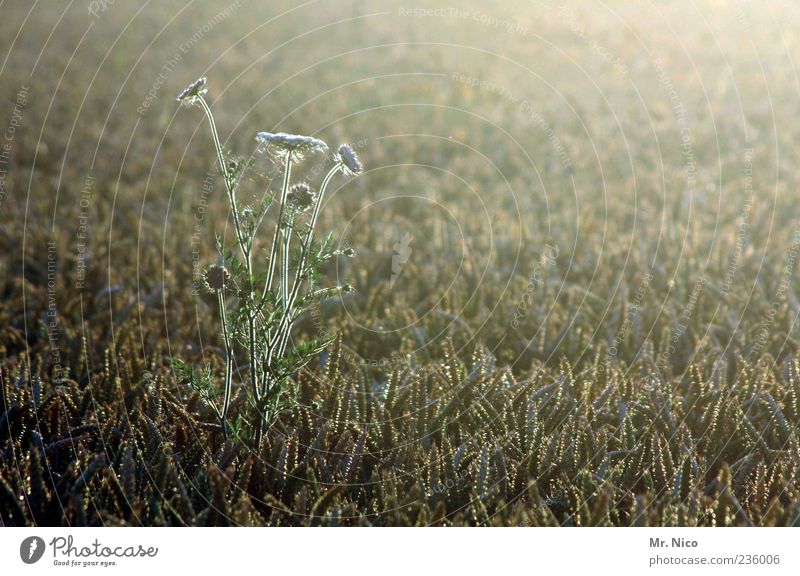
column 259, row 305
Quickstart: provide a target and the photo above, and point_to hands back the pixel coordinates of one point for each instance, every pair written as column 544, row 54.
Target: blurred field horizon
column 575, row 284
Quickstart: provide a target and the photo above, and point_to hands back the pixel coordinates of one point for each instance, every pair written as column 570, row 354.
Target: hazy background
column 577, row 236
column 616, row 132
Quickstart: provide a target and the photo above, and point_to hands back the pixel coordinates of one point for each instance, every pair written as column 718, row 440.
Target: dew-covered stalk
column 216, row 279
column 262, row 317
column 347, row 162
column 226, row 401
column 229, row 184
column 194, row 95
column 284, row 330
column 287, row 174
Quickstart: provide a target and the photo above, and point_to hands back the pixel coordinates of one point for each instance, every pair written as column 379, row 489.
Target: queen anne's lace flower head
column 350, row 160
column 193, row 91
column 284, row 145
column 301, row 197
column 216, row 277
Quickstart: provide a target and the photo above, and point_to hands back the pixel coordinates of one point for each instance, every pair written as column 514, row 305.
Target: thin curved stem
column 270, row 278
column 245, row 244
column 273, row 251
column 284, row 329
column 228, row 184
column 226, row 401
column 287, row 237
column 310, row 233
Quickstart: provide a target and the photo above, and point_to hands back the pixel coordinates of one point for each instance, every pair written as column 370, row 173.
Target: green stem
column 274, row 250
column 251, row 337
column 228, row 184
column 287, row 236
column 226, row 401
column 284, row 329
column 245, row 246
column 270, row 278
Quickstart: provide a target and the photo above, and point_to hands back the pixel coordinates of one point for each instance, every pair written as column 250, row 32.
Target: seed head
column 216, row 277
column 350, row 160
column 193, row 91
column 284, row 145
column 301, row 197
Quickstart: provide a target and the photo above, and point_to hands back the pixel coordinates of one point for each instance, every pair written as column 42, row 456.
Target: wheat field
column 570, row 262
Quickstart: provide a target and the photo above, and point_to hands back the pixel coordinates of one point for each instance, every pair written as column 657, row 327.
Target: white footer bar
column 349, row 551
